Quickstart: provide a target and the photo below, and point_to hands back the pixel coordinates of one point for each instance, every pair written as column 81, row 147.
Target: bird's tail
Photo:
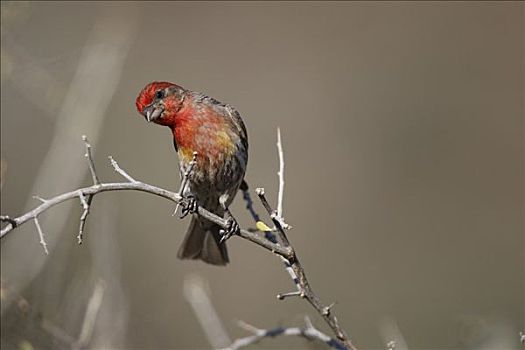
column 202, row 242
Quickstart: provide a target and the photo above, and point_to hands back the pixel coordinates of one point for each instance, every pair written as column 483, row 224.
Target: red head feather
column 147, row 95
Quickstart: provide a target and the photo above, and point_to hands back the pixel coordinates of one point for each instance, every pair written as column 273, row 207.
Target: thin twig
column 278, row 221
column 86, row 205
column 282, row 296
column 280, row 173
column 40, row 199
column 41, row 235
column 269, row 235
column 308, row 332
column 89, row 157
column 273, row 215
column 297, row 272
column 299, row 278
column 120, row 171
column 292, row 264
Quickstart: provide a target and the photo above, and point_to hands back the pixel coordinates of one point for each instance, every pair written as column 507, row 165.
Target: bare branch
column 89, row 157
column 273, row 215
column 135, row 185
column 82, row 200
column 86, row 205
column 120, row 171
column 269, row 235
column 143, row 187
column 309, row 332
column 280, row 173
column 298, row 275
column 282, row 296
column 41, row 235
column 281, row 248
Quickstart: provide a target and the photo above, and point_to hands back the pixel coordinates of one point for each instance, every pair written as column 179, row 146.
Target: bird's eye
column 159, row 94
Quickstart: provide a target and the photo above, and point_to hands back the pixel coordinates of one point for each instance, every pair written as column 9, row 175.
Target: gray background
column 403, row 135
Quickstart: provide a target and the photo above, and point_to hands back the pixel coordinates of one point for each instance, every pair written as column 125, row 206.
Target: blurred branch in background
column 283, row 248
column 197, row 295
column 90, row 317
column 83, row 107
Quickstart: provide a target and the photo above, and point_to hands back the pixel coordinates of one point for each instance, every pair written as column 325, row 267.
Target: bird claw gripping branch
column 191, row 207
column 233, row 228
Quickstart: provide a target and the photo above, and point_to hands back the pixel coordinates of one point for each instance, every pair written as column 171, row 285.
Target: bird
column 212, row 134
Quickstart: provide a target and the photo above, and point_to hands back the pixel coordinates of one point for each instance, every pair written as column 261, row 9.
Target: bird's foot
column 232, row 228
column 190, row 208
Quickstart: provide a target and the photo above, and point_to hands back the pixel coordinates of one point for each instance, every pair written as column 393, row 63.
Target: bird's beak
column 152, row 113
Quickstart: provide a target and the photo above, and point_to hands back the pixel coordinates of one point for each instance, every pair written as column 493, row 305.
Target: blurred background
column 402, row 127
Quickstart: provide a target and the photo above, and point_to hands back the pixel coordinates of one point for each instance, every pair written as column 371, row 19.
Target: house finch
column 216, row 132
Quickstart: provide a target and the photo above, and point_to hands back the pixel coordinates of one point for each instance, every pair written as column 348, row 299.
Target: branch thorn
column 41, row 235
column 40, row 199
column 282, row 296
column 327, row 309
column 91, row 163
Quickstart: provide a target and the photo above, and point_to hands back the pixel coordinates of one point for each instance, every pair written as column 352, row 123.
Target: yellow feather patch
column 186, row 154
column 225, row 141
